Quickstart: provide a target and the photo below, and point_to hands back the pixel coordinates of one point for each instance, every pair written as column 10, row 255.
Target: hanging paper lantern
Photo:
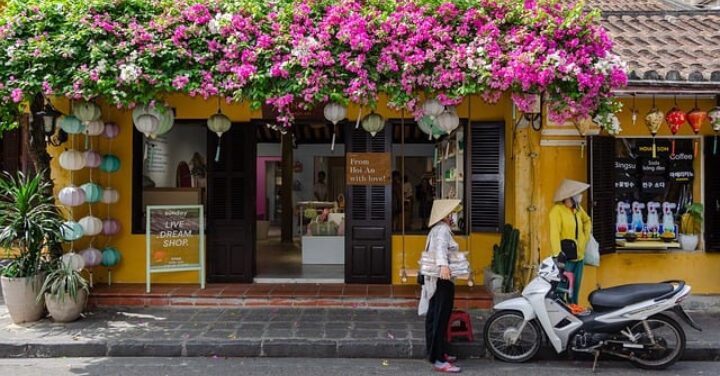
column 373, row 123
column 110, row 227
column 654, row 120
column 73, row 260
column 167, row 119
column 111, row 130
column 71, row 196
column 425, row 124
column 71, row 231
column 437, row 132
column 110, row 196
column 86, row 111
column 147, row 124
column 675, row 119
column 432, row 108
column 110, row 163
column 219, row 124
column 448, row 121
column 91, row 225
column 334, row 112
column 72, row 160
column 92, row 159
column 714, row 116
column 110, row 257
column 91, row 256
column 71, row 125
column 93, row 192
column 696, row 118
column 94, row 128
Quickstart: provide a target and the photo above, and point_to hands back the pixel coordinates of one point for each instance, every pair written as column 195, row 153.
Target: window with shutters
column 712, row 194
column 640, row 189
column 486, row 172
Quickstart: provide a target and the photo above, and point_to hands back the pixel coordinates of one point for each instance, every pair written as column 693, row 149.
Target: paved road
column 308, row 366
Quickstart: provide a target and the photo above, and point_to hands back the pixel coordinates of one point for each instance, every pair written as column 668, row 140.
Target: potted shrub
column 499, row 277
column 29, row 223
column 691, row 226
column 65, row 292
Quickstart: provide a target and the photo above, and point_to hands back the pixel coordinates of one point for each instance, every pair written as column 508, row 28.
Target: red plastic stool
column 464, row 329
column 571, row 282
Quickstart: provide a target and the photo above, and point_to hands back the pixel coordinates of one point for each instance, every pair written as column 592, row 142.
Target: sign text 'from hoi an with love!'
column 368, row 168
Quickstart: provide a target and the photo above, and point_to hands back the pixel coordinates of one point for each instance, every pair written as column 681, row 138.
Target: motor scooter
column 628, row 321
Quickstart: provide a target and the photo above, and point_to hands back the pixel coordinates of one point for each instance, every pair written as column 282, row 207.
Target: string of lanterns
column 676, row 118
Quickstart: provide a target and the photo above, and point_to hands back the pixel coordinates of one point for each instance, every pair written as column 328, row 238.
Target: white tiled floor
column 283, row 261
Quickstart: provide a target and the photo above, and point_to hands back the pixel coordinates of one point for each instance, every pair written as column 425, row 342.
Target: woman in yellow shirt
column 569, row 224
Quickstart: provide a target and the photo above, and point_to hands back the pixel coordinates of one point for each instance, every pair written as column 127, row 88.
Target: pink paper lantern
column 91, row 256
column 72, row 196
column 92, row 159
column 112, row 130
column 111, row 226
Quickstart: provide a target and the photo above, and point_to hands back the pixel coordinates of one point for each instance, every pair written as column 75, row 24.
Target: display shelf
column 450, row 161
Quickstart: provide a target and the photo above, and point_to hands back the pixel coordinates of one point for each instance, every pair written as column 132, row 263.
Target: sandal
column 447, row 368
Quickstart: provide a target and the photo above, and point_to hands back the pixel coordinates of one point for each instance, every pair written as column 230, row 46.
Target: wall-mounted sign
column 368, row 168
column 681, row 171
column 653, row 166
column 652, row 184
column 175, row 240
column 625, row 183
column 663, row 147
column 625, row 165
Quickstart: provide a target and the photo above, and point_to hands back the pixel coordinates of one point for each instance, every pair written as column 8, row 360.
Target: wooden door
column 231, row 205
column 368, row 223
column 712, row 194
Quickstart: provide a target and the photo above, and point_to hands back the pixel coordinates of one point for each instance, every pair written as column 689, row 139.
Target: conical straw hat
column 441, row 209
column 569, row 188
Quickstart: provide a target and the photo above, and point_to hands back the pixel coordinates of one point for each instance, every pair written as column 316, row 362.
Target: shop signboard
column 625, row 183
column 653, row 166
column 368, row 168
column 175, row 240
column 663, row 148
column 652, row 184
column 625, row 166
column 681, row 172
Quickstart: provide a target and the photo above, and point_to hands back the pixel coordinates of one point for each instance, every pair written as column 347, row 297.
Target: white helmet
column 549, row 270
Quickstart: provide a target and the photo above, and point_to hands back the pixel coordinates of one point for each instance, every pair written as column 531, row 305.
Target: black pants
column 436, row 322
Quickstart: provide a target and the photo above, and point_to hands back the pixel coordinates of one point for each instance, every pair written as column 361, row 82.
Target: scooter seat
column 624, row 295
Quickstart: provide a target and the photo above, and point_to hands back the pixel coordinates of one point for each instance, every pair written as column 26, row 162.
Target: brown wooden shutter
column 712, row 196
column 601, row 157
column 487, row 176
column 11, row 151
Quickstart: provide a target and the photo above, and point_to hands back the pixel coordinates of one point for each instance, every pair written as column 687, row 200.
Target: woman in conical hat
column 570, row 229
column 438, row 293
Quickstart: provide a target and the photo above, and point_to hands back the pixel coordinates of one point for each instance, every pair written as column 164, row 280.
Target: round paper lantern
column 71, row 125
column 72, row 160
column 111, row 130
column 432, row 107
column 110, row 227
column 94, row 127
column 147, row 124
column 219, row 124
column 73, row 260
column 86, row 111
column 334, row 112
column 92, row 159
column 437, row 132
column 654, row 119
column 110, row 257
column 675, row 118
column 93, row 192
column 448, row 121
column 110, row 163
column 110, row 196
column 91, row 256
column 91, row 225
column 425, row 124
column 71, row 231
column 373, row 123
column 72, row 196
column 167, row 119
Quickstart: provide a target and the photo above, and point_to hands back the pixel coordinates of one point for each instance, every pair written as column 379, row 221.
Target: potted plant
column 691, row 226
column 29, row 224
column 65, row 291
column 499, row 277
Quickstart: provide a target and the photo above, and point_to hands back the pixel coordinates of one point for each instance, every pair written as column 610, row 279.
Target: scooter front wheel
column 511, row 340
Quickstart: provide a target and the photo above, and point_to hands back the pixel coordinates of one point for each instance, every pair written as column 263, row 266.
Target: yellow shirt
column 562, row 226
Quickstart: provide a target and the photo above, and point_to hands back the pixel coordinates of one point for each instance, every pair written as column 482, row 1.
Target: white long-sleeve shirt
column 441, row 243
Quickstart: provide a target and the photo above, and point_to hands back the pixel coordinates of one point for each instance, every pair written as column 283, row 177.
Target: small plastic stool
column 462, row 330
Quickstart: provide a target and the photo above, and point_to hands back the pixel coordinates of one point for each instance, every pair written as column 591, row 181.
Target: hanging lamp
column 373, row 123
column 675, row 119
column 653, row 121
column 334, row 112
column 714, row 116
column 219, row 123
column 696, row 117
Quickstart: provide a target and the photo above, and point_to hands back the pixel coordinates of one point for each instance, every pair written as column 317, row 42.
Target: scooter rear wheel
column 500, row 331
column 670, row 339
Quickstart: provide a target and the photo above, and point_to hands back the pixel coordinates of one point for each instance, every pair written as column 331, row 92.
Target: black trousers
column 437, row 320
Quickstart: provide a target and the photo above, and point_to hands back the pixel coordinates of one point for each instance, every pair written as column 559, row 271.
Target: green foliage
column 691, row 221
column 61, row 280
column 29, row 222
column 505, row 256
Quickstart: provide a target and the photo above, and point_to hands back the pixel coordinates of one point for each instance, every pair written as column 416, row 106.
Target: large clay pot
column 20, row 296
column 66, row 309
column 688, row 242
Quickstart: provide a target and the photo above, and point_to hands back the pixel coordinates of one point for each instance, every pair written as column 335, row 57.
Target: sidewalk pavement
column 271, row 332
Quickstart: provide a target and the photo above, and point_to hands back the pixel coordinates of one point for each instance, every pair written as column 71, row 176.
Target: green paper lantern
column 93, row 192
column 110, row 257
column 87, row 111
column 71, row 231
column 71, row 125
column 110, row 163
column 425, row 124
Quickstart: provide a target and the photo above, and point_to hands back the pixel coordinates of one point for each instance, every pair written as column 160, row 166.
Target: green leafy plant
column 505, row 256
column 691, row 221
column 29, row 223
column 63, row 279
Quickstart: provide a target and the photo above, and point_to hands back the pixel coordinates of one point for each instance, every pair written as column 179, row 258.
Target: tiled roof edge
column 695, row 12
